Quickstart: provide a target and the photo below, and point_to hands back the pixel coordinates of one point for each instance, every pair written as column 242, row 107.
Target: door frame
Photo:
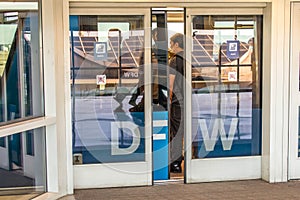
column 294, row 158
column 123, row 173
column 273, row 165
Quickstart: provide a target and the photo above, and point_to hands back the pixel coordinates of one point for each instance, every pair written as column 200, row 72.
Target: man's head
column 154, row 34
column 177, row 42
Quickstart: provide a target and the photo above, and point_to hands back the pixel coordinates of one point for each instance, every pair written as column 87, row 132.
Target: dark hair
column 178, row 38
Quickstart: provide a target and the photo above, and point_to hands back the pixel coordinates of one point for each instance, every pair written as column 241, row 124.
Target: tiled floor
column 233, row 190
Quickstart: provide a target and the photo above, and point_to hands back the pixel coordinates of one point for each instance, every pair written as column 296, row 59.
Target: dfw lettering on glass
column 209, row 138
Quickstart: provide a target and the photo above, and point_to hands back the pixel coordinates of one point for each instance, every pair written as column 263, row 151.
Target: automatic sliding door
column 224, row 137
column 111, row 143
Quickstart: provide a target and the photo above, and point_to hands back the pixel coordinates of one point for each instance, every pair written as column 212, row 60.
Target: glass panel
column 226, row 81
column 30, row 143
column 3, row 142
column 23, row 174
column 21, row 93
column 107, row 82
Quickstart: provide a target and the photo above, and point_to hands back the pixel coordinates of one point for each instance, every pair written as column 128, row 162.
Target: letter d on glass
column 134, row 130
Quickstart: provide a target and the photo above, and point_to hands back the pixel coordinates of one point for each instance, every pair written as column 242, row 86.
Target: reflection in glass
column 30, row 143
column 21, row 172
column 3, row 142
column 106, row 71
column 226, row 81
column 20, row 70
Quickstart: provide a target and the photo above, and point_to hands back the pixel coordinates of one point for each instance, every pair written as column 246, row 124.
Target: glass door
column 294, row 147
column 110, row 50
column 223, row 95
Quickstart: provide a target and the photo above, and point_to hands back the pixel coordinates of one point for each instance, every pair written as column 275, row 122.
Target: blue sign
column 160, row 145
column 74, row 23
column 100, row 51
column 233, row 49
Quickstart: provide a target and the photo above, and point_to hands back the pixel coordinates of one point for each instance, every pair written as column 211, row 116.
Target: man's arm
column 171, row 84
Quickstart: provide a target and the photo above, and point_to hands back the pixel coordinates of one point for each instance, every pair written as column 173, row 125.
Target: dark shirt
column 177, row 69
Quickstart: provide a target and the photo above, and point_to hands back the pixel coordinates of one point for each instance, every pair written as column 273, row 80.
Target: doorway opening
column 168, row 159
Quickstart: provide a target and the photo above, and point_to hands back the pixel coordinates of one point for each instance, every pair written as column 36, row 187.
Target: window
column 21, row 91
column 24, row 171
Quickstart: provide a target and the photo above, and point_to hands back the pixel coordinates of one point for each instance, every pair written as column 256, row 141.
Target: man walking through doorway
column 176, row 75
